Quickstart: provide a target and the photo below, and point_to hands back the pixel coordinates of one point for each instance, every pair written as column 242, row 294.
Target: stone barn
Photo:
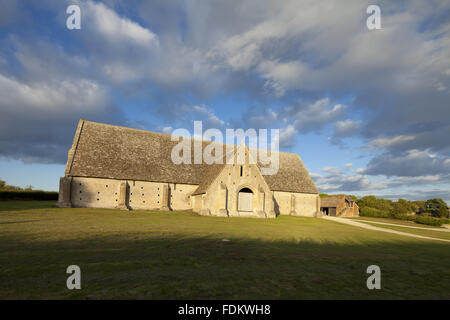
column 339, row 206
column 116, row 167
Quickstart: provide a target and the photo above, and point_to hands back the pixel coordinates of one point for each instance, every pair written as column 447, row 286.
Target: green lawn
column 175, row 255
column 21, row 205
column 425, row 232
column 396, row 221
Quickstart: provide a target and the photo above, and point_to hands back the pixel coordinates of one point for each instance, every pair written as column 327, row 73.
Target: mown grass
column 396, row 221
column 11, row 205
column 179, row 255
column 422, row 232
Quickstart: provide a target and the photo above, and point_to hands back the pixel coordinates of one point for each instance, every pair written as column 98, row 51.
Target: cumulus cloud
column 343, row 129
column 412, row 163
column 63, row 97
column 186, row 114
column 296, row 118
column 257, row 117
column 281, row 76
column 337, row 181
column 287, row 136
column 36, row 116
column 334, row 180
column 348, row 127
column 316, row 115
column 389, row 142
column 118, row 30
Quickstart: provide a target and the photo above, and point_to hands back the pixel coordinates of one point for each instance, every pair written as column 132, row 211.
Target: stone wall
column 180, row 196
column 297, row 204
column 222, row 194
column 221, row 198
column 105, row 193
column 341, row 207
column 352, row 211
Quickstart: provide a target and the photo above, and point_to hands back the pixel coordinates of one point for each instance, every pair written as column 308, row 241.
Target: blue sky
column 367, row 110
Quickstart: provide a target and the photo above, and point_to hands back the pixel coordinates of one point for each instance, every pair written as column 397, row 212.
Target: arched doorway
column 245, row 200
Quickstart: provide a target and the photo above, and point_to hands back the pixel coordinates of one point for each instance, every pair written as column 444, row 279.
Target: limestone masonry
column 116, row 167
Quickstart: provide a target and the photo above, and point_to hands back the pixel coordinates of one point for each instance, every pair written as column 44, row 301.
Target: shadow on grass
column 136, row 266
column 21, row 221
column 16, row 205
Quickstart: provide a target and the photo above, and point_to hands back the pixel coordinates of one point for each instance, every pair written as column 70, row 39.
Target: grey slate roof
column 292, row 175
column 114, row 152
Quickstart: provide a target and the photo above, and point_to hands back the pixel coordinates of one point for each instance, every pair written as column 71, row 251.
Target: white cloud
column 118, row 29
column 317, row 114
column 282, row 76
column 261, row 117
column 184, row 115
column 208, row 115
column 389, row 142
column 287, row 136
column 66, row 96
column 335, row 181
column 347, row 127
column 409, row 164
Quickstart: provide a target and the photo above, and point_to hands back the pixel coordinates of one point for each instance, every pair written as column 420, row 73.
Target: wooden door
column 245, row 201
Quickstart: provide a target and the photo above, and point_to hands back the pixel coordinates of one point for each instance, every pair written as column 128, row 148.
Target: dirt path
column 403, row 226
column 367, row 226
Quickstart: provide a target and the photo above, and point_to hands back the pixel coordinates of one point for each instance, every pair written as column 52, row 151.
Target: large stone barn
column 339, row 205
column 116, row 167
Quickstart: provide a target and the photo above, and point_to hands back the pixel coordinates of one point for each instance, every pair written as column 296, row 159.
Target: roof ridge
column 169, row 135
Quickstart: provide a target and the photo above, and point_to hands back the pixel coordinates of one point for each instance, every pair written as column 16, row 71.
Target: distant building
column 339, row 206
column 116, row 167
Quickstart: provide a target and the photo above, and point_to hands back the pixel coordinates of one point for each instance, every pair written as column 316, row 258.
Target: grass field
column 396, row 221
column 179, row 255
column 428, row 232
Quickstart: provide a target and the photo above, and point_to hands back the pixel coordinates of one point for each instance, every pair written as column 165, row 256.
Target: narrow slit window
column 242, row 170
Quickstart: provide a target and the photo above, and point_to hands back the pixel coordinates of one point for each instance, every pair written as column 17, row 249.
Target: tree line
column 432, row 211
column 10, row 192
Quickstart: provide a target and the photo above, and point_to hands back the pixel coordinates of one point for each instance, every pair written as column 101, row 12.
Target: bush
column 28, row 195
column 442, row 212
column 376, row 213
column 373, row 212
column 429, row 221
column 404, row 217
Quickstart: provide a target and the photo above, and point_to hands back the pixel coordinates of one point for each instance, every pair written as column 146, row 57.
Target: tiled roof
column 108, row 151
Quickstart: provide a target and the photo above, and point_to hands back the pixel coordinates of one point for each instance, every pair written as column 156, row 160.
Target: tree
column 400, row 207
column 2, row 184
column 435, row 203
column 437, row 207
column 373, row 202
column 442, row 212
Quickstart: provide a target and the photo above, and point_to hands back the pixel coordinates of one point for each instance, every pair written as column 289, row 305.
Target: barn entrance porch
column 328, row 211
column 245, row 200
